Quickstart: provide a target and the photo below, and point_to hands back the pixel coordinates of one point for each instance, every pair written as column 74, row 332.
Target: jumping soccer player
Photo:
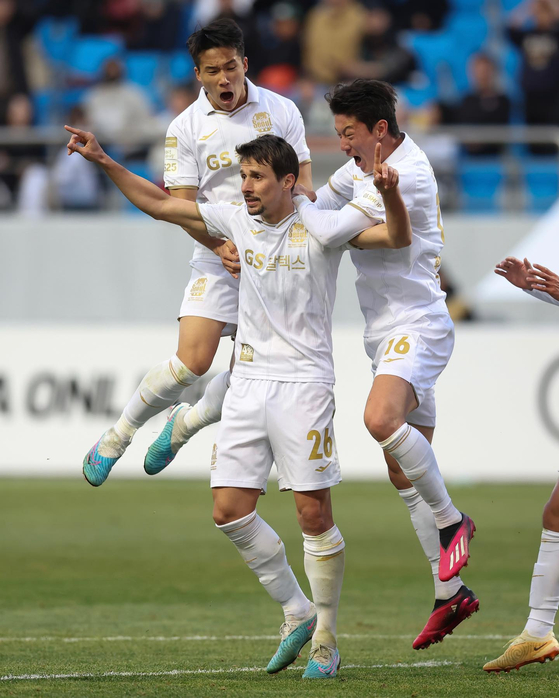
column 200, row 165
column 280, row 405
column 409, row 335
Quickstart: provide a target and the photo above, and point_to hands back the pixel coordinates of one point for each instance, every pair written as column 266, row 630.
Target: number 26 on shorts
column 320, row 440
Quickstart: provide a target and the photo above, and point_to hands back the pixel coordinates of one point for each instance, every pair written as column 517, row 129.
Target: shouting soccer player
column 409, row 335
column 200, row 165
column 537, row 642
column 280, row 405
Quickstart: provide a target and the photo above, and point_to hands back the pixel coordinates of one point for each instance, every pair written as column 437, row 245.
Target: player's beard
column 259, row 211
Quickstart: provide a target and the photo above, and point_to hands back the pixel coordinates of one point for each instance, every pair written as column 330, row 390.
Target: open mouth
column 227, row 97
column 251, row 202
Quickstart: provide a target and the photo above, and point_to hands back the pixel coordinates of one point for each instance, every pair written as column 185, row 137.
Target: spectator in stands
column 539, row 46
column 21, row 162
column 119, row 110
column 16, row 21
column 486, row 104
column 76, row 185
column 332, row 38
column 309, row 97
column 421, row 15
column 282, row 53
column 382, row 58
column 157, row 28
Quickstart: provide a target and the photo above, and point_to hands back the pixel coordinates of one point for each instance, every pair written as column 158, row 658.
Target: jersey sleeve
column 541, row 295
column 180, row 168
column 295, row 133
column 370, row 203
column 332, row 228
column 217, row 218
column 339, row 190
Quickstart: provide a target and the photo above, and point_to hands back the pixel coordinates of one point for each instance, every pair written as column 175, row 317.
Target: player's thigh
column 198, row 342
column 242, row 455
column 301, row 429
column 416, row 353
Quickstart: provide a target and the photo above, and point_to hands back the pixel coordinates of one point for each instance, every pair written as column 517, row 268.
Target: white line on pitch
column 191, row 672
column 226, row 638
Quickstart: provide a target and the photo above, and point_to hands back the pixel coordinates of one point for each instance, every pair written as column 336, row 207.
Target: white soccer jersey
column 287, row 292
column 200, row 145
column 395, row 287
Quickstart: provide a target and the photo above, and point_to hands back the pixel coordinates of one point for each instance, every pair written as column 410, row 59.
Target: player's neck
column 278, row 215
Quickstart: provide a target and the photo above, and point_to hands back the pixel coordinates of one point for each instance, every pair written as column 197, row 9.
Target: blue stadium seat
column 541, row 182
column 144, row 67
column 482, row 181
column 89, row 53
column 56, row 36
column 509, row 5
column 469, row 5
column 468, row 31
column 181, row 67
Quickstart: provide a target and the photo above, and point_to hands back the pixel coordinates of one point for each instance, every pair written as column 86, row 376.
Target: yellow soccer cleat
column 525, row 649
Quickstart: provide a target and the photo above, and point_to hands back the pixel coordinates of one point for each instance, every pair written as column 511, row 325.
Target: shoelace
column 287, row 628
column 321, row 654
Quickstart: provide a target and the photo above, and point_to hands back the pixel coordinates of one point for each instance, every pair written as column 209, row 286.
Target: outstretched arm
column 143, row 194
column 540, row 282
column 351, row 224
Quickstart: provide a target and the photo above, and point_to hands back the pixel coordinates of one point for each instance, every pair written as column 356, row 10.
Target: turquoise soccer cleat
column 166, row 446
column 96, row 468
column 324, row 663
column 294, row 636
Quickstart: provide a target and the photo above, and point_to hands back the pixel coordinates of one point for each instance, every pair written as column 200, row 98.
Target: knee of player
column 551, row 515
column 381, row 424
column 223, row 514
column 314, row 519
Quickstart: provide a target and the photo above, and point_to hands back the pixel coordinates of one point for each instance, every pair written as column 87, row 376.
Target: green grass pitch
column 131, row 590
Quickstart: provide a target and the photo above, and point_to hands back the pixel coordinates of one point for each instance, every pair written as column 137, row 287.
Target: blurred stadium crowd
column 121, row 69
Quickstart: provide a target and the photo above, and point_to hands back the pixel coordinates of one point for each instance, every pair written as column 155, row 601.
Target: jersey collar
column 400, row 153
column 261, row 221
column 253, row 96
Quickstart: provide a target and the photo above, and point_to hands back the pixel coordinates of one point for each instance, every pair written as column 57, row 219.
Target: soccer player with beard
column 280, row 405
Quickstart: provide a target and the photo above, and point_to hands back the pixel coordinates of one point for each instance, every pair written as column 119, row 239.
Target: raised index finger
column 77, row 131
column 377, row 162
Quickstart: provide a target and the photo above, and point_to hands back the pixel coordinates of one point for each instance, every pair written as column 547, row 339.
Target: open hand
column 385, row 177
column 84, row 143
column 543, row 279
column 515, row 271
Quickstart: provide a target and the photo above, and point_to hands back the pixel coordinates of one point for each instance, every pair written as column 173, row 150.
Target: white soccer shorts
column 212, row 293
column 267, row 421
column 418, row 353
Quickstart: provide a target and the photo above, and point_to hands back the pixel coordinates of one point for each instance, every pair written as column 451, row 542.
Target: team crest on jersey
column 198, row 289
column 247, row 353
column 214, row 457
column 297, row 235
column 262, row 122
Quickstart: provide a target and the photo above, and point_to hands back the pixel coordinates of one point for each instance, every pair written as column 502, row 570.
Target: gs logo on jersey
column 198, row 289
column 262, row 122
column 297, row 235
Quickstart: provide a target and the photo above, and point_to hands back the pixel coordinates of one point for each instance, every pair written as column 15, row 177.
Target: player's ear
column 289, row 182
column 245, row 64
column 197, row 73
column 380, row 128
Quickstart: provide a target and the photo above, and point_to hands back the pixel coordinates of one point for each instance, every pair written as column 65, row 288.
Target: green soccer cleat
column 294, row 636
column 324, row 663
column 166, row 446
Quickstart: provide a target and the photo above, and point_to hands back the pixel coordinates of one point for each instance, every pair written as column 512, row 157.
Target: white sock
column 415, row 456
column 263, row 551
column 426, row 529
column 544, row 592
column 324, row 566
column 208, row 409
column 160, row 388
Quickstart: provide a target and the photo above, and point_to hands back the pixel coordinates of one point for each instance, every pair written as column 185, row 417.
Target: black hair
column 221, row 33
column 271, row 150
column 367, row 100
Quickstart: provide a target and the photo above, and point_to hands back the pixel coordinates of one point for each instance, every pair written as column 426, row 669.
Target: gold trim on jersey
column 205, row 138
column 305, row 162
column 183, row 186
column 369, row 215
column 333, row 188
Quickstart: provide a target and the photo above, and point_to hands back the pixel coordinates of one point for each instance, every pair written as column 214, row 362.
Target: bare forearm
column 397, row 219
